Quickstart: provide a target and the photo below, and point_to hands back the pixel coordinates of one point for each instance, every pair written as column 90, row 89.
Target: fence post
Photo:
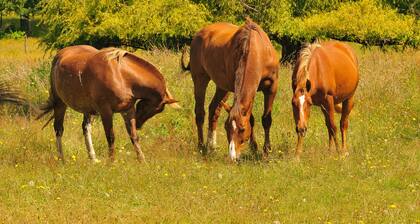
column 25, row 43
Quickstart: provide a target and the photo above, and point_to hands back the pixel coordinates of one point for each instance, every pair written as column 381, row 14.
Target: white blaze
column 301, row 102
column 232, row 151
column 234, row 125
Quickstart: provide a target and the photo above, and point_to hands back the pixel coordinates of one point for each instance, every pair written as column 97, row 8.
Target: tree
column 24, row 8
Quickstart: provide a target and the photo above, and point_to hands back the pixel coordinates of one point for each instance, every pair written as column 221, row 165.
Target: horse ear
column 173, row 103
column 308, row 85
column 226, row 106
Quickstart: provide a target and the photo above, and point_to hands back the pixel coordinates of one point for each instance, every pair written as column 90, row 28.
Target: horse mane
column 114, row 53
column 243, row 37
column 305, row 54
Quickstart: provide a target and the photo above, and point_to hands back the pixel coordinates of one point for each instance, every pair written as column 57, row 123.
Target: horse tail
column 48, row 106
column 10, row 94
column 183, row 66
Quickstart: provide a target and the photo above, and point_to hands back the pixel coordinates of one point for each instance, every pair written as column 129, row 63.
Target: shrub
column 136, row 23
column 364, row 22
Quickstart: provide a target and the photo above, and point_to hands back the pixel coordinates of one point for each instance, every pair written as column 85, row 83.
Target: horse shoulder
column 321, row 72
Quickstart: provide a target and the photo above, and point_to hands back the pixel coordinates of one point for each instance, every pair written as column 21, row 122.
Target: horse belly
column 346, row 84
column 217, row 71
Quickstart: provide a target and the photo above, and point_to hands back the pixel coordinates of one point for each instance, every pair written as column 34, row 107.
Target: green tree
column 25, row 9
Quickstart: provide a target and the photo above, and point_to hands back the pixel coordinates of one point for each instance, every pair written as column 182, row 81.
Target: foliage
column 362, row 22
column 137, row 23
column 405, row 6
column 12, row 35
column 142, row 24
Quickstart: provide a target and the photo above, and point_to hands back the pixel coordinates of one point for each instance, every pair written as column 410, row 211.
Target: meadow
column 378, row 183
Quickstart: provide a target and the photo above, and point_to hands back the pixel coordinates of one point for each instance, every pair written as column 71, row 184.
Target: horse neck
column 246, row 91
column 247, row 76
column 150, row 85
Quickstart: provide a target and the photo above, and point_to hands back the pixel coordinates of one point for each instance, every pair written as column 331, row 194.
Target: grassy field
column 378, row 183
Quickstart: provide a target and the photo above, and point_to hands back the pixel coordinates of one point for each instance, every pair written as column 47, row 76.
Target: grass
column 378, row 183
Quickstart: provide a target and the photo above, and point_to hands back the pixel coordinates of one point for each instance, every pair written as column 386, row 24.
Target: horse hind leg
column 214, row 113
column 328, row 111
column 59, row 112
column 87, row 133
column 269, row 95
column 344, row 124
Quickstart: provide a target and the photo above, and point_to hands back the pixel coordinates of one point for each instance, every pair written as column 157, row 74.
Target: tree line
column 172, row 23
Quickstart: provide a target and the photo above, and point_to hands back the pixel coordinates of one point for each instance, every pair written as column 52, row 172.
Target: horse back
column 209, row 50
column 122, row 80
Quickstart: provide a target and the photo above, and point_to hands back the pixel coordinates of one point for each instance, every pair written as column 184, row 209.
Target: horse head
column 301, row 102
column 238, row 129
column 147, row 108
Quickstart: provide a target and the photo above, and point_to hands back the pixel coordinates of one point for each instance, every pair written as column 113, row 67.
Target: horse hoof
column 344, row 155
column 267, row 149
column 96, row 161
column 296, row 159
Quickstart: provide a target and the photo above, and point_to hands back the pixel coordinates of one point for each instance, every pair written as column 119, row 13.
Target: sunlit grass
column 378, row 183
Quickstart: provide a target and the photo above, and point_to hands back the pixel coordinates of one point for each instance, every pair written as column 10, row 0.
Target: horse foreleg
column 214, row 113
column 106, row 117
column 252, row 142
column 200, row 95
column 344, row 123
column 59, row 112
column 130, row 125
column 269, row 96
column 299, row 149
column 87, row 133
column 328, row 110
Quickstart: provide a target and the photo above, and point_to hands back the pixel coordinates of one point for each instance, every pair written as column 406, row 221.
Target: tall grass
column 378, row 183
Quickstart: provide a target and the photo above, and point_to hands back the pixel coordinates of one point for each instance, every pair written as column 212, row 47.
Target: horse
column 104, row 82
column 326, row 74
column 240, row 60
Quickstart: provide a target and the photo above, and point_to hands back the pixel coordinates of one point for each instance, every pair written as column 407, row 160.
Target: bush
column 170, row 23
column 135, row 23
column 364, row 22
column 12, row 34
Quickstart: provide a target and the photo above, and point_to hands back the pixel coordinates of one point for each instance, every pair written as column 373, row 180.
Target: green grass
column 378, row 183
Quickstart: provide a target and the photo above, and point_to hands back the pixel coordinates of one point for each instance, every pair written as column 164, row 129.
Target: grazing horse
column 102, row 82
column 326, row 74
column 240, row 60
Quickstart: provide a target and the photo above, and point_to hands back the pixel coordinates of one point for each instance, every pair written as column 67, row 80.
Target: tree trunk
column 24, row 23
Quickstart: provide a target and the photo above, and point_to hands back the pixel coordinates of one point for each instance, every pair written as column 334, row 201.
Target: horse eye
column 302, row 91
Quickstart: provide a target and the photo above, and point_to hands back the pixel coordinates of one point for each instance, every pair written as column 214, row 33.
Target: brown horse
column 326, row 74
column 240, row 60
column 103, row 82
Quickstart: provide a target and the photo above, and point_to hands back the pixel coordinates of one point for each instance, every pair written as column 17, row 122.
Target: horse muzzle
column 232, row 152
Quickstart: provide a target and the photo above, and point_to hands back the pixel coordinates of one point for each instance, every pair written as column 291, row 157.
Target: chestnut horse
column 326, row 74
column 102, row 82
column 240, row 60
